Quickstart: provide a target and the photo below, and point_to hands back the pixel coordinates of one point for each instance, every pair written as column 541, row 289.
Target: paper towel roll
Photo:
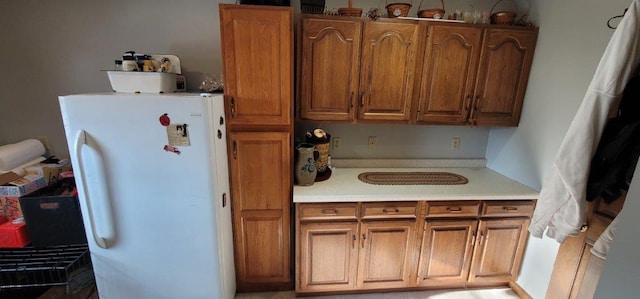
column 14, row 155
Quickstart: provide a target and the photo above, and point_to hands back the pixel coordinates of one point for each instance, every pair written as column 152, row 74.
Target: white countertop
column 344, row 186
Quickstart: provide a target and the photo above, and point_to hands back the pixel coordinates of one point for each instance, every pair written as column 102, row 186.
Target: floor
column 500, row 293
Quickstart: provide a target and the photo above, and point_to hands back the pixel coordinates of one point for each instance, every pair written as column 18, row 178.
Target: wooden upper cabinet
column 402, row 71
column 388, row 66
column 502, row 76
column 330, row 69
column 448, row 74
column 257, row 51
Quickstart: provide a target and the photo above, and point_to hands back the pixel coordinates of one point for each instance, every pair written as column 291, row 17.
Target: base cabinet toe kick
column 370, row 246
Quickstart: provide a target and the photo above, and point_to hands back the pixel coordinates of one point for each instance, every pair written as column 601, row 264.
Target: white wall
column 572, row 38
column 51, row 48
column 621, row 274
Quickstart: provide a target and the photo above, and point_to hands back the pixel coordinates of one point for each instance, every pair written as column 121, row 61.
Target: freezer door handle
column 81, row 140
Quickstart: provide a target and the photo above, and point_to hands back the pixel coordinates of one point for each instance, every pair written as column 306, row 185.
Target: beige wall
column 52, row 48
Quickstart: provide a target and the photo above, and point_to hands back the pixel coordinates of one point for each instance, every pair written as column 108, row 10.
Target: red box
column 13, row 235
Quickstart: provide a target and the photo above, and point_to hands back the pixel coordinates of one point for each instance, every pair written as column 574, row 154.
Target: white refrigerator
column 153, row 184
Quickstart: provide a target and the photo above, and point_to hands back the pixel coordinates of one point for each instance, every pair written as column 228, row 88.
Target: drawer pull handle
column 454, row 209
column 510, row 209
column 390, row 210
column 329, row 211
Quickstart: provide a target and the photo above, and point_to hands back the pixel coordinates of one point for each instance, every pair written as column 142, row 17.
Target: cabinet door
column 448, row 75
column 576, row 271
column 387, row 254
column 328, row 256
column 388, row 63
column 330, row 69
column 499, row 249
column 503, row 75
column 261, row 182
column 257, row 52
column 446, row 252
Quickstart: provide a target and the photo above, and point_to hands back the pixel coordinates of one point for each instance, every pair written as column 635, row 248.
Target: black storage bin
column 53, row 215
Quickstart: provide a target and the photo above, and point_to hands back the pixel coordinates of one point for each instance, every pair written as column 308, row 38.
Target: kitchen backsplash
column 400, row 141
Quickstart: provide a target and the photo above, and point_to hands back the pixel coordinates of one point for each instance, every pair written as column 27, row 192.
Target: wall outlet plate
column 371, row 142
column 337, row 142
column 455, row 144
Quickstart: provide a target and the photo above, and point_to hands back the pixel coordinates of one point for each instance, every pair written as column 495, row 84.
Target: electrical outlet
column 337, row 142
column 455, row 144
column 372, row 142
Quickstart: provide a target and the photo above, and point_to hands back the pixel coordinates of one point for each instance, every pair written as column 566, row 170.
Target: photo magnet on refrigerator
column 178, row 135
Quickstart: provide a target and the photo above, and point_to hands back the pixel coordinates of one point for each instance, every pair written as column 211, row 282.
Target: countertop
column 344, row 185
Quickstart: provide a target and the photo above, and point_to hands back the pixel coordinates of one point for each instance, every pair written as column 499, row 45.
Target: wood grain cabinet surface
column 257, row 47
column 475, row 75
column 257, row 50
column 424, row 73
column 411, row 245
column 339, row 253
column 356, row 70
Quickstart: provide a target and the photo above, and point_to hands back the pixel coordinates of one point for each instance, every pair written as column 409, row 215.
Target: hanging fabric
column 617, row 154
column 561, row 208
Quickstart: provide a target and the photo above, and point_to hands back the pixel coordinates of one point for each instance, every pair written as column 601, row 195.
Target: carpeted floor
column 500, row 293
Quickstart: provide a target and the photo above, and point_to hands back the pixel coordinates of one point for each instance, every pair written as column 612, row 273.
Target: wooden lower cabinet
column 386, row 254
column 445, row 257
column 328, row 255
column 381, row 246
column 499, row 249
column 260, row 171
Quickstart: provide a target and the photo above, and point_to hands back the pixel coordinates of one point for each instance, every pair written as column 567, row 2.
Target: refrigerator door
column 149, row 183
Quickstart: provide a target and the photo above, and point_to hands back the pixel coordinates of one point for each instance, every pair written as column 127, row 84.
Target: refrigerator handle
column 81, row 140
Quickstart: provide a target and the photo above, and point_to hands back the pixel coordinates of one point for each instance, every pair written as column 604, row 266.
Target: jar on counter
column 118, row 65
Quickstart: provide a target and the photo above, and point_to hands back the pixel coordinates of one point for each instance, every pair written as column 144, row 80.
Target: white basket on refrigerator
column 148, row 82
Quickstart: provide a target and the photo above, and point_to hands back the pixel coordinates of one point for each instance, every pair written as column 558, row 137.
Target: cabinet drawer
column 389, row 210
column 329, row 211
column 448, row 209
column 512, row 208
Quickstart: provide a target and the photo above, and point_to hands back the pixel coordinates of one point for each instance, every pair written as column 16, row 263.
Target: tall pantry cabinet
column 257, row 50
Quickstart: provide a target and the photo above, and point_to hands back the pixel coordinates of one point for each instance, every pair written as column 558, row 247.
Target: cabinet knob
column 235, row 150
column 364, row 237
column 351, row 99
column 510, row 209
column 233, row 107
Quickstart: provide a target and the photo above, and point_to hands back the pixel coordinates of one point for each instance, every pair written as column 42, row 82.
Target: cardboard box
column 13, row 235
column 12, row 185
column 10, row 207
column 50, row 172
